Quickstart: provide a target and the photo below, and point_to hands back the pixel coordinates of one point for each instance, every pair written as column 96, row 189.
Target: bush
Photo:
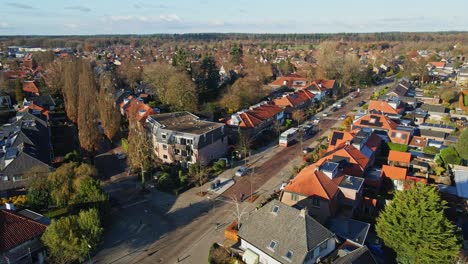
column 124, row 144
column 18, row 201
column 450, row 156
column 221, row 255
column 166, row 183
column 397, row 147
column 431, row 150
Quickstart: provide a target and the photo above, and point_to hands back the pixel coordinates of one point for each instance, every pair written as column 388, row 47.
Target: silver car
column 242, row 171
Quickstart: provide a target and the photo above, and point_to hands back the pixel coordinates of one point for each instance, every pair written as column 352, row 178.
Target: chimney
column 303, row 212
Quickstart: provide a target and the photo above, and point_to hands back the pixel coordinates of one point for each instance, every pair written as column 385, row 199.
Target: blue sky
column 54, row 17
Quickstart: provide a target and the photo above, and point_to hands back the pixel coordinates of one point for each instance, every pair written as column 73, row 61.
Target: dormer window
column 272, row 245
column 275, row 209
column 289, row 254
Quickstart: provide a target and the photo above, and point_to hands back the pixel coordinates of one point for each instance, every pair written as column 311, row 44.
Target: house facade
column 266, row 239
column 184, row 138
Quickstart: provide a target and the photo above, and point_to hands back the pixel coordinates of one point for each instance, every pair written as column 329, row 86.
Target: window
column 164, row 146
column 316, row 201
column 189, row 141
column 164, row 156
column 275, row 209
column 289, row 255
column 17, row 178
column 272, row 245
column 164, row 136
column 323, row 246
column 294, row 197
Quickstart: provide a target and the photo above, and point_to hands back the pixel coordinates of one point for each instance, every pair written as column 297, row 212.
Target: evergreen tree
column 415, row 227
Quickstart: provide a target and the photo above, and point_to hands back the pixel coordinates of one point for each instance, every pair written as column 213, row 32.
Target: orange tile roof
column 340, row 138
column 30, row 87
column 311, row 182
column 33, row 106
column 323, row 85
column 143, row 110
column 355, row 157
column 384, row 107
column 376, row 121
column 295, row 99
column 256, row 116
column 399, row 156
column 289, row 81
column 399, row 136
column 394, row 173
column 437, row 64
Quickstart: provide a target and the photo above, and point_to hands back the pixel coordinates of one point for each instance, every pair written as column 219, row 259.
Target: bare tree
column 243, row 144
column 239, row 211
column 140, row 147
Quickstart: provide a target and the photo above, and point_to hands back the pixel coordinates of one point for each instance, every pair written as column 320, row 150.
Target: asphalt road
column 185, row 236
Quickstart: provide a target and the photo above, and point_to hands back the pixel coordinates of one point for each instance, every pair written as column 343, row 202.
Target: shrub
column 124, row 144
column 431, row 150
column 165, row 182
column 397, row 147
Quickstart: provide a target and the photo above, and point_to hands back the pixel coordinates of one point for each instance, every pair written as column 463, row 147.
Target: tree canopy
column 70, row 239
column 414, row 226
column 462, row 144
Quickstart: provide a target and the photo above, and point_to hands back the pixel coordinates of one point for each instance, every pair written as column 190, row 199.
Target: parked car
column 334, row 109
column 325, row 114
column 307, row 150
column 342, row 117
column 361, row 103
column 242, row 171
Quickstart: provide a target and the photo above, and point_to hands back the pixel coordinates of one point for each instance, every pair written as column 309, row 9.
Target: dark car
column 361, row 103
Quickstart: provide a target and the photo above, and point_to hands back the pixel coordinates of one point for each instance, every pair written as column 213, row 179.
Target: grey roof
column 359, row 256
column 45, row 101
column 399, row 90
column 350, row 182
column 291, row 230
column 432, row 133
column 347, row 228
column 185, row 122
column 433, row 108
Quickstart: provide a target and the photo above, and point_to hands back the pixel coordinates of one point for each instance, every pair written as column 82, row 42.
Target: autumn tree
column 298, row 116
column 130, row 71
column 140, row 147
column 108, row 112
column 172, row 87
column 413, row 224
column 71, row 73
column 38, row 191
column 87, row 121
column 181, row 93
column 72, row 238
column 243, row 93
column 55, row 76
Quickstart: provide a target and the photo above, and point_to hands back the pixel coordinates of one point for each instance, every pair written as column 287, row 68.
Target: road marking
column 135, row 203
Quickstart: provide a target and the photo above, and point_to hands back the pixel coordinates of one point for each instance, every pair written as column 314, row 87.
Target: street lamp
column 89, row 256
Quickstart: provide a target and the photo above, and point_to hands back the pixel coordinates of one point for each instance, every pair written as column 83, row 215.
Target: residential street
column 162, row 228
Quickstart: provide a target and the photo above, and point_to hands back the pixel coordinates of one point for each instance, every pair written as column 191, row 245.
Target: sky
column 90, row 17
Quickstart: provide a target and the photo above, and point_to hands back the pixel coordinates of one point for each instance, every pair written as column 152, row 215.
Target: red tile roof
column 394, row 173
column 143, row 110
column 384, row 107
column 376, row 121
column 290, row 81
column 33, row 106
column 339, row 137
column 311, row 182
column 16, row 229
column 353, row 155
column 399, row 156
column 30, row 87
column 323, row 85
column 437, row 64
column 256, row 116
column 295, row 99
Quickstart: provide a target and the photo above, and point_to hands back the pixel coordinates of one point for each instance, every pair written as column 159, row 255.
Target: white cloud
column 4, row 25
column 168, row 18
column 71, row 26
